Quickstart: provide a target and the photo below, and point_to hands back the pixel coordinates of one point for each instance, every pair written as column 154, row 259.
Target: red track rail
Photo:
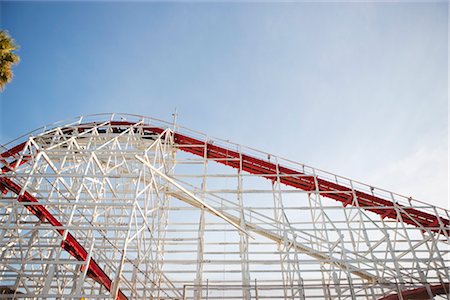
column 384, row 208
column 70, row 244
column 421, row 293
column 345, row 195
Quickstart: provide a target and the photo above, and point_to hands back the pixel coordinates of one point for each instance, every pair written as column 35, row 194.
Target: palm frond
column 7, row 58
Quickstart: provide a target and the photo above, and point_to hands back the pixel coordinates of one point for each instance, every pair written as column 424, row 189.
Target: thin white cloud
column 423, row 175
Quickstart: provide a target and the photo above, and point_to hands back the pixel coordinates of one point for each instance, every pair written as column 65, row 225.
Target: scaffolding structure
column 131, row 207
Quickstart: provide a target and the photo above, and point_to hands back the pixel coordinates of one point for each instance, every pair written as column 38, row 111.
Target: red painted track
column 343, row 194
column 421, row 293
column 70, row 244
column 384, row 208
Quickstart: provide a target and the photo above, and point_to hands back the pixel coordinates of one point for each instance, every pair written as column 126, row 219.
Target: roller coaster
column 130, row 207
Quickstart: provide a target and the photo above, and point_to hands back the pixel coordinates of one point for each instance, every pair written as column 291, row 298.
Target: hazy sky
column 356, row 89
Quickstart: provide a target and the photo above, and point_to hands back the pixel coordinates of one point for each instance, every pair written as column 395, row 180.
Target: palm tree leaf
column 7, row 58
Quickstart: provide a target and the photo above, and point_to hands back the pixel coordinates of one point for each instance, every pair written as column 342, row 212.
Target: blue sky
column 359, row 89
